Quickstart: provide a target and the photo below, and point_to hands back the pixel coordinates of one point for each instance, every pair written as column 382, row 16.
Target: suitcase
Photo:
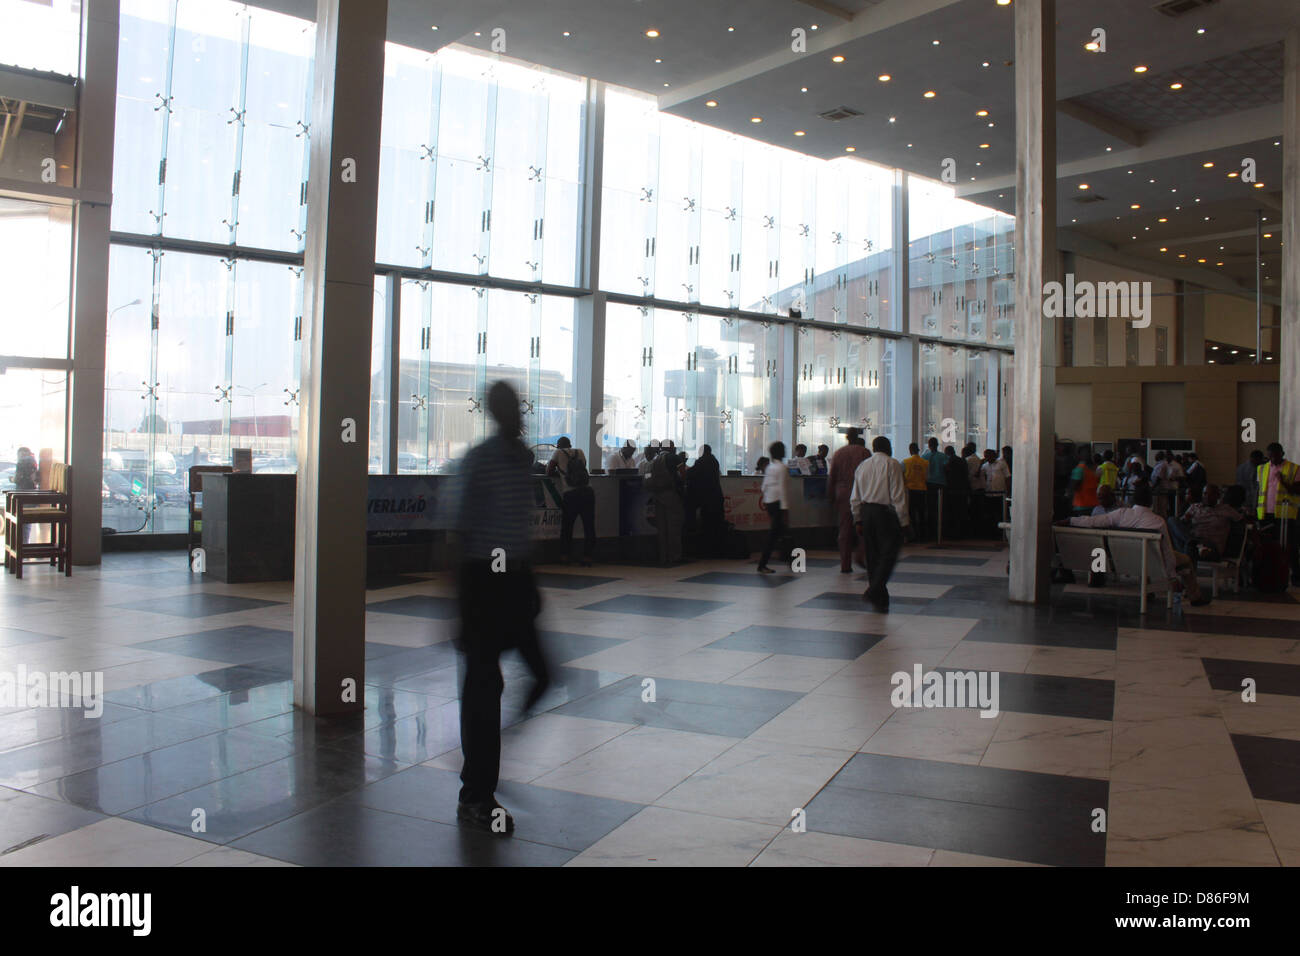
column 1270, row 566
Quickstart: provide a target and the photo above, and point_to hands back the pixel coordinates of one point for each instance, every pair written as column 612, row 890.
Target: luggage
column 1270, row 566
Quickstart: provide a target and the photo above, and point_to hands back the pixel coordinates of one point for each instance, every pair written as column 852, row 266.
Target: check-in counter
column 248, row 528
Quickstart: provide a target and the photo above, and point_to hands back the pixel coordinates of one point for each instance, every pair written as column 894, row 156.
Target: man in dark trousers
column 704, row 491
column 499, row 601
column 879, row 500
column 664, row 485
column 839, row 487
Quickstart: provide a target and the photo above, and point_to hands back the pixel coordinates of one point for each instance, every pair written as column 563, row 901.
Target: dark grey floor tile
column 12, row 636
column 943, row 560
column 853, row 601
column 571, row 582
column 1010, row 814
column 94, row 747
column 237, row 708
column 344, row 833
column 408, row 740
column 1271, row 765
column 802, row 642
column 560, row 646
column 240, row 644
column 165, row 694
column 1269, row 678
column 381, row 705
column 241, row 804
column 684, row 705
column 419, row 605
column 740, row 580
column 384, row 581
column 198, row 604
column 571, row 821
column 25, row 727
column 901, row 576
column 652, row 606
column 376, row 650
column 408, row 663
column 126, row 784
column 1223, row 624
column 148, row 577
column 1084, row 697
column 26, row 819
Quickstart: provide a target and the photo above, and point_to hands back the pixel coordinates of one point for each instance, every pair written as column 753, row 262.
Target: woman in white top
column 776, row 499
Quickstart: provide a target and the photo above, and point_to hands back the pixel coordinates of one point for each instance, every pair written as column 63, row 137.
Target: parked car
column 170, row 490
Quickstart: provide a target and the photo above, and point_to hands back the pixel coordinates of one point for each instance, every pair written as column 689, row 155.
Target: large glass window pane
column 277, row 107
column 44, row 36
column 35, row 259
column 127, row 433
column 407, row 156
column 202, row 127
column 461, row 223
column 143, row 64
column 630, row 183
column 264, row 378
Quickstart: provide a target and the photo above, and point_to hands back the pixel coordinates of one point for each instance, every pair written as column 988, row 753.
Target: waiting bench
column 1129, row 554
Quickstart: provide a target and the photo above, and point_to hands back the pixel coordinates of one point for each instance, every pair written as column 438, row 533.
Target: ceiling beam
column 1248, row 126
column 1100, row 121
column 826, row 7
column 883, row 16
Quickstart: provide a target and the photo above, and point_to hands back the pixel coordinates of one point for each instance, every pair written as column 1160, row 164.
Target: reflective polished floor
column 1119, row 741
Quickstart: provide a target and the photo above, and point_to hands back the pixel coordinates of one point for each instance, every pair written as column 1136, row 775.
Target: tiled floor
column 702, row 715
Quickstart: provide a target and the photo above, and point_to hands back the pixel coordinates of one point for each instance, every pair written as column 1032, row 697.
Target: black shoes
column 880, row 607
column 764, row 569
column 490, row 816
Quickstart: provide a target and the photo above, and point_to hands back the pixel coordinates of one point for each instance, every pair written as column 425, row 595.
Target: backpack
column 575, row 472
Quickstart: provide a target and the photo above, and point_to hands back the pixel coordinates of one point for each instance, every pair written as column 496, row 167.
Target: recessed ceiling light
column 1207, row 165
column 850, row 149
column 1218, row 263
column 981, row 112
column 1233, row 175
column 1259, row 185
column 837, row 58
column 652, row 33
column 985, row 64
column 1214, row 347
column 1268, row 235
column 984, row 145
column 884, row 77
column 1139, row 69
column 934, row 42
column 434, row 28
column 1162, row 219
column 1211, row 361
column 802, row 89
column 798, row 132
column 1199, row 31
column 584, row 527
column 909, row 145
column 1202, row 261
column 1108, row 149
column 1182, row 255
column 711, row 103
column 756, row 119
column 929, row 94
column 657, row 59
column 1175, row 86
column 1083, row 185
column 1092, row 46
column 566, row 33
column 731, row 29
column 1001, row 3
column 1234, row 352
column 665, row 84
column 893, row 119
column 1164, row 249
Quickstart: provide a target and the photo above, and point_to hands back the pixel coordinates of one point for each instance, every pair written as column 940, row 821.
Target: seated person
column 1106, row 500
column 1179, row 568
column 1210, row 522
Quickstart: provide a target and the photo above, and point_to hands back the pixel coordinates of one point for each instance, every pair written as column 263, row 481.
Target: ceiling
column 1117, row 130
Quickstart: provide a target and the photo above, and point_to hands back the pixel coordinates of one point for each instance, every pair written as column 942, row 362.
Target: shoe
column 489, row 816
column 540, row 687
column 764, row 569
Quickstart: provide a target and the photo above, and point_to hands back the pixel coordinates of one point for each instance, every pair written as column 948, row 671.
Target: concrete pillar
column 1192, row 329
column 1035, row 263
column 589, row 340
column 1288, row 337
column 96, row 113
column 329, row 597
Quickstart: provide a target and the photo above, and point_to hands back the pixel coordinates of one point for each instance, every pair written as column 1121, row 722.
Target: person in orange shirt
column 1083, row 484
column 914, row 472
column 844, row 464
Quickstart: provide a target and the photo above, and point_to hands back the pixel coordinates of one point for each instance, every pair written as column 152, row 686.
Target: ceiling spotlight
column 1233, row 175
column 884, row 77
column 1162, row 219
column 850, row 149
column 567, row 33
column 799, row 132
column 1083, row 185
column 1182, row 255
column 1164, row 249
column 1139, row 69
column 985, row 64
column 1092, row 46
column 1175, row 86
column 837, row 58
column 981, row 112
column 803, row 89
column 1201, row 261
column 434, row 28
column 1214, row 347
column 1259, row 185
column 929, row 94
column 711, row 103
column 1268, row 235
column 934, row 42
column 1108, row 149
column 756, row 119
column 1001, row 3
column 731, row 29
column 652, row 33
column 814, row 27
column 1218, row 263
column 1199, row 31
column 984, row 145
column 893, row 119
column 657, row 59
column 1207, row 165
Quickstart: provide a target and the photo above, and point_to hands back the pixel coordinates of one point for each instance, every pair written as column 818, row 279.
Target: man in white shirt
column 776, row 501
column 624, row 457
column 879, row 500
column 1178, row 567
column 648, row 457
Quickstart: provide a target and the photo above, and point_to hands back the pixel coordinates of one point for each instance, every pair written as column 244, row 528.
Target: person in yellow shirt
column 1108, row 471
column 1279, row 502
column 914, row 471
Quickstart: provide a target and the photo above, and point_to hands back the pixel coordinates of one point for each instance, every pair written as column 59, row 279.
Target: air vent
column 1084, row 200
column 839, row 113
column 1176, row 8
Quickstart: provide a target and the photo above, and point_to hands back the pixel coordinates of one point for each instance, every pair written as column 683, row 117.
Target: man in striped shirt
column 499, row 601
column 879, row 500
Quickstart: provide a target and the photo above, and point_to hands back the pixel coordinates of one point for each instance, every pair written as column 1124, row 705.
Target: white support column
column 1035, row 263
column 1287, row 340
column 589, row 340
column 905, row 394
column 392, row 374
column 329, row 595
column 96, row 112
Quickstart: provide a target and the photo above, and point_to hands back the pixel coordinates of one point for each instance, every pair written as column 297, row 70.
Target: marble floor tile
column 661, row 837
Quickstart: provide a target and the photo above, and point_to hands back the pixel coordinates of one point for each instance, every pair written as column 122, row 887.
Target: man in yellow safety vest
column 1279, row 500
